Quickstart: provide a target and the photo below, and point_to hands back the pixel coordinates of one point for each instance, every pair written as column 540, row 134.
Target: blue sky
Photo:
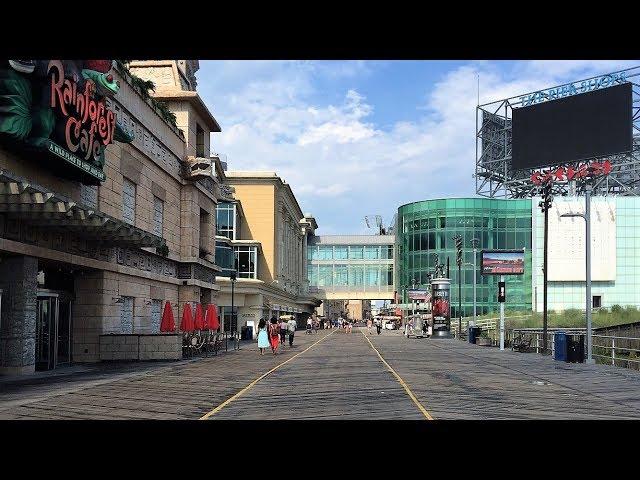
column 355, row 138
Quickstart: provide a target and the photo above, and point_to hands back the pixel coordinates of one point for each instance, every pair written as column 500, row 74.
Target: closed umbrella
column 211, row 317
column 167, row 324
column 199, row 320
column 187, row 319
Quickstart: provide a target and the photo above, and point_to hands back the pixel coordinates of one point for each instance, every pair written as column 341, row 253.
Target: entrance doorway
column 53, row 329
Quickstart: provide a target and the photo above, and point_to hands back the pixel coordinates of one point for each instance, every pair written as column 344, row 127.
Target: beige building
column 268, row 232
column 95, row 244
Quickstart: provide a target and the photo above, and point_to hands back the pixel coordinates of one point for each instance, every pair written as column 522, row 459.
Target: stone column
column 19, row 285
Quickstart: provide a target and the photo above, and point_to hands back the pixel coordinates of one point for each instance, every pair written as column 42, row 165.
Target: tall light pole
column 545, row 205
column 474, row 243
column 587, row 244
column 458, row 240
column 413, row 303
column 233, row 277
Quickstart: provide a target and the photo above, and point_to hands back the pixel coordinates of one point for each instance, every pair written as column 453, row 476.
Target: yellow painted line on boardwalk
column 250, row 386
column 400, row 380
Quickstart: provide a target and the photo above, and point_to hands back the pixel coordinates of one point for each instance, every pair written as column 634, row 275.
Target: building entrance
column 53, row 329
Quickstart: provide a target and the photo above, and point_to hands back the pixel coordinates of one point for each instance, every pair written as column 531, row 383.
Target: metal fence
column 607, row 349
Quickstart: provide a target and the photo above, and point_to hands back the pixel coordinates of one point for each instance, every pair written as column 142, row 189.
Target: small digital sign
column 502, row 262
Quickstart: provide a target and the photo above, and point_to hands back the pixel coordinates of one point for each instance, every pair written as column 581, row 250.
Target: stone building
column 265, row 228
column 94, row 242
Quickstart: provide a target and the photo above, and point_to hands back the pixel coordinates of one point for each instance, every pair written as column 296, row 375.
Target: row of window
column 433, row 223
column 444, row 240
column 350, row 252
column 243, row 258
column 350, row 275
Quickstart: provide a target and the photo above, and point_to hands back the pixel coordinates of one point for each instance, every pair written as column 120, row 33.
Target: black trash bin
column 560, row 346
column 474, row 333
column 575, row 348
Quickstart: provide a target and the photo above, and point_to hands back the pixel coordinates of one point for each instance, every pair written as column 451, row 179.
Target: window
column 597, row 301
column 325, row 252
column 128, row 201
column 226, row 220
column 158, row 212
column 356, row 252
column 204, row 232
column 126, row 315
column 341, row 252
column 246, row 261
column 199, row 142
column 340, row 277
column 156, row 308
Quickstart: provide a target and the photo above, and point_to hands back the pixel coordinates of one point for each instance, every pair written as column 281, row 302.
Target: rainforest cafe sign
column 89, row 126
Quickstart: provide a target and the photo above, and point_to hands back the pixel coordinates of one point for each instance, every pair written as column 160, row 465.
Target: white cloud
column 338, row 162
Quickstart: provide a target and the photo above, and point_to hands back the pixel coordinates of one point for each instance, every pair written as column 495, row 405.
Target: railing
column 606, row 349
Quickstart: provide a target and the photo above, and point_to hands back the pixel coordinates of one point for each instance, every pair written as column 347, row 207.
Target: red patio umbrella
column 167, row 324
column 187, row 319
column 211, row 318
column 199, row 320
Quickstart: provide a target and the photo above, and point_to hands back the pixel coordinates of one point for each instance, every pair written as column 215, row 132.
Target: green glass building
column 428, row 227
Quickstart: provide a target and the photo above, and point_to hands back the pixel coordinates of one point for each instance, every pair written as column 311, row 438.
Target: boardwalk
column 334, row 375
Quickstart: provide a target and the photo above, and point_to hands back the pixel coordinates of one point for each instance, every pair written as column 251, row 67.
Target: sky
column 356, row 138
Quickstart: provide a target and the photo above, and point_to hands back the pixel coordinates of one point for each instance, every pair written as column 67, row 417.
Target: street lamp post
column 233, row 277
column 458, row 240
column 587, row 220
column 545, row 205
column 474, row 243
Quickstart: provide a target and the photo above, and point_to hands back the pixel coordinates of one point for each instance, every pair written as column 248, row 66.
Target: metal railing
column 607, row 349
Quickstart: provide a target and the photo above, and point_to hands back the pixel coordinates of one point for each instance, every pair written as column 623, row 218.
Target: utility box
column 560, row 346
column 575, row 349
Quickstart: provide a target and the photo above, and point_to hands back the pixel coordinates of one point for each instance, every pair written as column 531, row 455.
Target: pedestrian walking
column 283, row 331
column 379, row 326
column 349, row 325
column 292, row 324
column 369, row 323
column 263, row 336
column 274, row 334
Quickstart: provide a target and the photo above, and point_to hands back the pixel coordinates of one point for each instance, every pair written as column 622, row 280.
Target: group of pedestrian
column 274, row 333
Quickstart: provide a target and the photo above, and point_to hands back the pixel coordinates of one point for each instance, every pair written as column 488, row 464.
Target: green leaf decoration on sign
column 15, row 104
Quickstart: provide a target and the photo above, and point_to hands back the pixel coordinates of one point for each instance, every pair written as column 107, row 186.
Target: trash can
column 249, row 333
column 575, row 349
column 560, row 346
column 474, row 333
column 243, row 333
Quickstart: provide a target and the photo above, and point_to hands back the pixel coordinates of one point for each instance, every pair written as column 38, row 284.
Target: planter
column 483, row 341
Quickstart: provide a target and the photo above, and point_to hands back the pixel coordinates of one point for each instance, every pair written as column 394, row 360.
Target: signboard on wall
column 418, row 294
column 567, row 246
column 57, row 110
column 502, row 262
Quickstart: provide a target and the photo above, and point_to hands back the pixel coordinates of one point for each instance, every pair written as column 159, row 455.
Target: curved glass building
column 426, row 228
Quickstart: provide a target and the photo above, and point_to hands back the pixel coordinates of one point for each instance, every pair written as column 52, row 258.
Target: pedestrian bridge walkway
column 337, row 375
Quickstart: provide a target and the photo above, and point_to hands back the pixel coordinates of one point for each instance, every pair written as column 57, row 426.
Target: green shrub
column 616, row 309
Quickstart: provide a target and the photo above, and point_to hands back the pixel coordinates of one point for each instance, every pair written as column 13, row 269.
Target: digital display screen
column 575, row 128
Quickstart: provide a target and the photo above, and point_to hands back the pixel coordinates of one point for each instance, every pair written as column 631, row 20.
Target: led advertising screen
column 502, row 262
column 574, row 128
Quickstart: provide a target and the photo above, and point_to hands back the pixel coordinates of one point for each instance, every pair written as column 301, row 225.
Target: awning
column 41, row 208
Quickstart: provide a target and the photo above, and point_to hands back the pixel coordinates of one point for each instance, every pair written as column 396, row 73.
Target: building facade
column 104, row 217
column 615, row 253
column 263, row 231
column 428, row 227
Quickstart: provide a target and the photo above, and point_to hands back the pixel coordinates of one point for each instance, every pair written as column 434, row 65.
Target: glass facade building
column 426, row 228
column 351, row 264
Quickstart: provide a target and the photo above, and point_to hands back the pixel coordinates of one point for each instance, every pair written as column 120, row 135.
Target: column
column 19, row 285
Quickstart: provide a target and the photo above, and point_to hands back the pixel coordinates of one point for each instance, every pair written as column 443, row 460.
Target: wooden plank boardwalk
column 334, row 375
